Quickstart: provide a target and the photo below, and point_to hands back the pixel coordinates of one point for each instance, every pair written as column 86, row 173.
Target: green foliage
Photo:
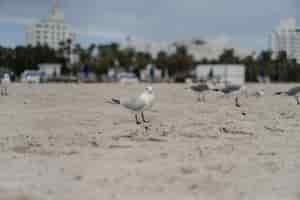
column 181, row 61
column 162, row 60
column 22, row 58
column 101, row 57
column 228, row 57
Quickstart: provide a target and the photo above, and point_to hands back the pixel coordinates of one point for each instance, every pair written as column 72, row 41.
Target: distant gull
column 234, row 90
column 293, row 92
column 139, row 104
column 201, row 89
column 5, row 81
column 259, row 93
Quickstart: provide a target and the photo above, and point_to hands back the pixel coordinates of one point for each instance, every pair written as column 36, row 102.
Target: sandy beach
column 63, row 141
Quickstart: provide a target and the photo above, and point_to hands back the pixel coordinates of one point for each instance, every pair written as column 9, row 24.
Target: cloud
column 94, row 32
column 16, row 20
column 159, row 20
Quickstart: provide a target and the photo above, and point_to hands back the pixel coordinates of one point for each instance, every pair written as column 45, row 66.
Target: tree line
column 99, row 58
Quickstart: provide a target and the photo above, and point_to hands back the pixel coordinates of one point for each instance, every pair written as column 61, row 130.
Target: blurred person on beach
column 5, row 81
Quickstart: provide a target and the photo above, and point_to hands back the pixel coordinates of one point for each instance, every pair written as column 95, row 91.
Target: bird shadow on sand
column 17, row 196
column 144, row 133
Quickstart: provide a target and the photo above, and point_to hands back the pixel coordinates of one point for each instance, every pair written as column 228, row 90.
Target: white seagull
column 293, row 92
column 259, row 93
column 201, row 89
column 139, row 104
column 234, row 90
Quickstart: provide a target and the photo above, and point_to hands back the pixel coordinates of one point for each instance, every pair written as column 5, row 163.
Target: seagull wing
column 199, row 88
column 134, row 104
column 231, row 88
column 293, row 91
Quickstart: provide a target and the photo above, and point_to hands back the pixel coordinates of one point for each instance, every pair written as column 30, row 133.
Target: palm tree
column 228, row 57
column 162, row 60
column 127, row 57
column 281, row 63
column 181, row 62
column 143, row 59
column 265, row 63
column 91, row 49
column 251, row 68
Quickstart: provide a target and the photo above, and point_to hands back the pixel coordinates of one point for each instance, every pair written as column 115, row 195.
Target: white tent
column 233, row 74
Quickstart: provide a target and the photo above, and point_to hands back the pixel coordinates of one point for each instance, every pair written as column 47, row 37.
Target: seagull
column 235, row 90
column 201, row 89
column 293, row 92
column 139, row 104
column 5, row 81
column 259, row 93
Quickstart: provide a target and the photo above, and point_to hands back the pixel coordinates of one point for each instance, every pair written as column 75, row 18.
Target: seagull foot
column 143, row 118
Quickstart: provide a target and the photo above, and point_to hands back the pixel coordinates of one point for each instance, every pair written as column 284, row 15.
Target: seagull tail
column 278, row 93
column 113, row 101
column 116, row 101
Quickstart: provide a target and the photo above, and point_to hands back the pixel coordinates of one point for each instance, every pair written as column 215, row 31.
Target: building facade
column 199, row 48
column 51, row 31
column 286, row 37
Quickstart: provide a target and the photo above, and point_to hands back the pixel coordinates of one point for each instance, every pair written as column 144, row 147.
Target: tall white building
column 50, row 31
column 286, row 37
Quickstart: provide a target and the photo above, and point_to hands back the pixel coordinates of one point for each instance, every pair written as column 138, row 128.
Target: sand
column 63, row 141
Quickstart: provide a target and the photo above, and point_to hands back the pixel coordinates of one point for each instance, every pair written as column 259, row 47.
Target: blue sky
column 246, row 23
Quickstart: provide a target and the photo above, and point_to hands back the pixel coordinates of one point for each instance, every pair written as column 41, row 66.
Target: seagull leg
column 203, row 98
column 136, row 120
column 199, row 98
column 237, row 102
column 297, row 99
column 143, row 118
column 246, row 94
